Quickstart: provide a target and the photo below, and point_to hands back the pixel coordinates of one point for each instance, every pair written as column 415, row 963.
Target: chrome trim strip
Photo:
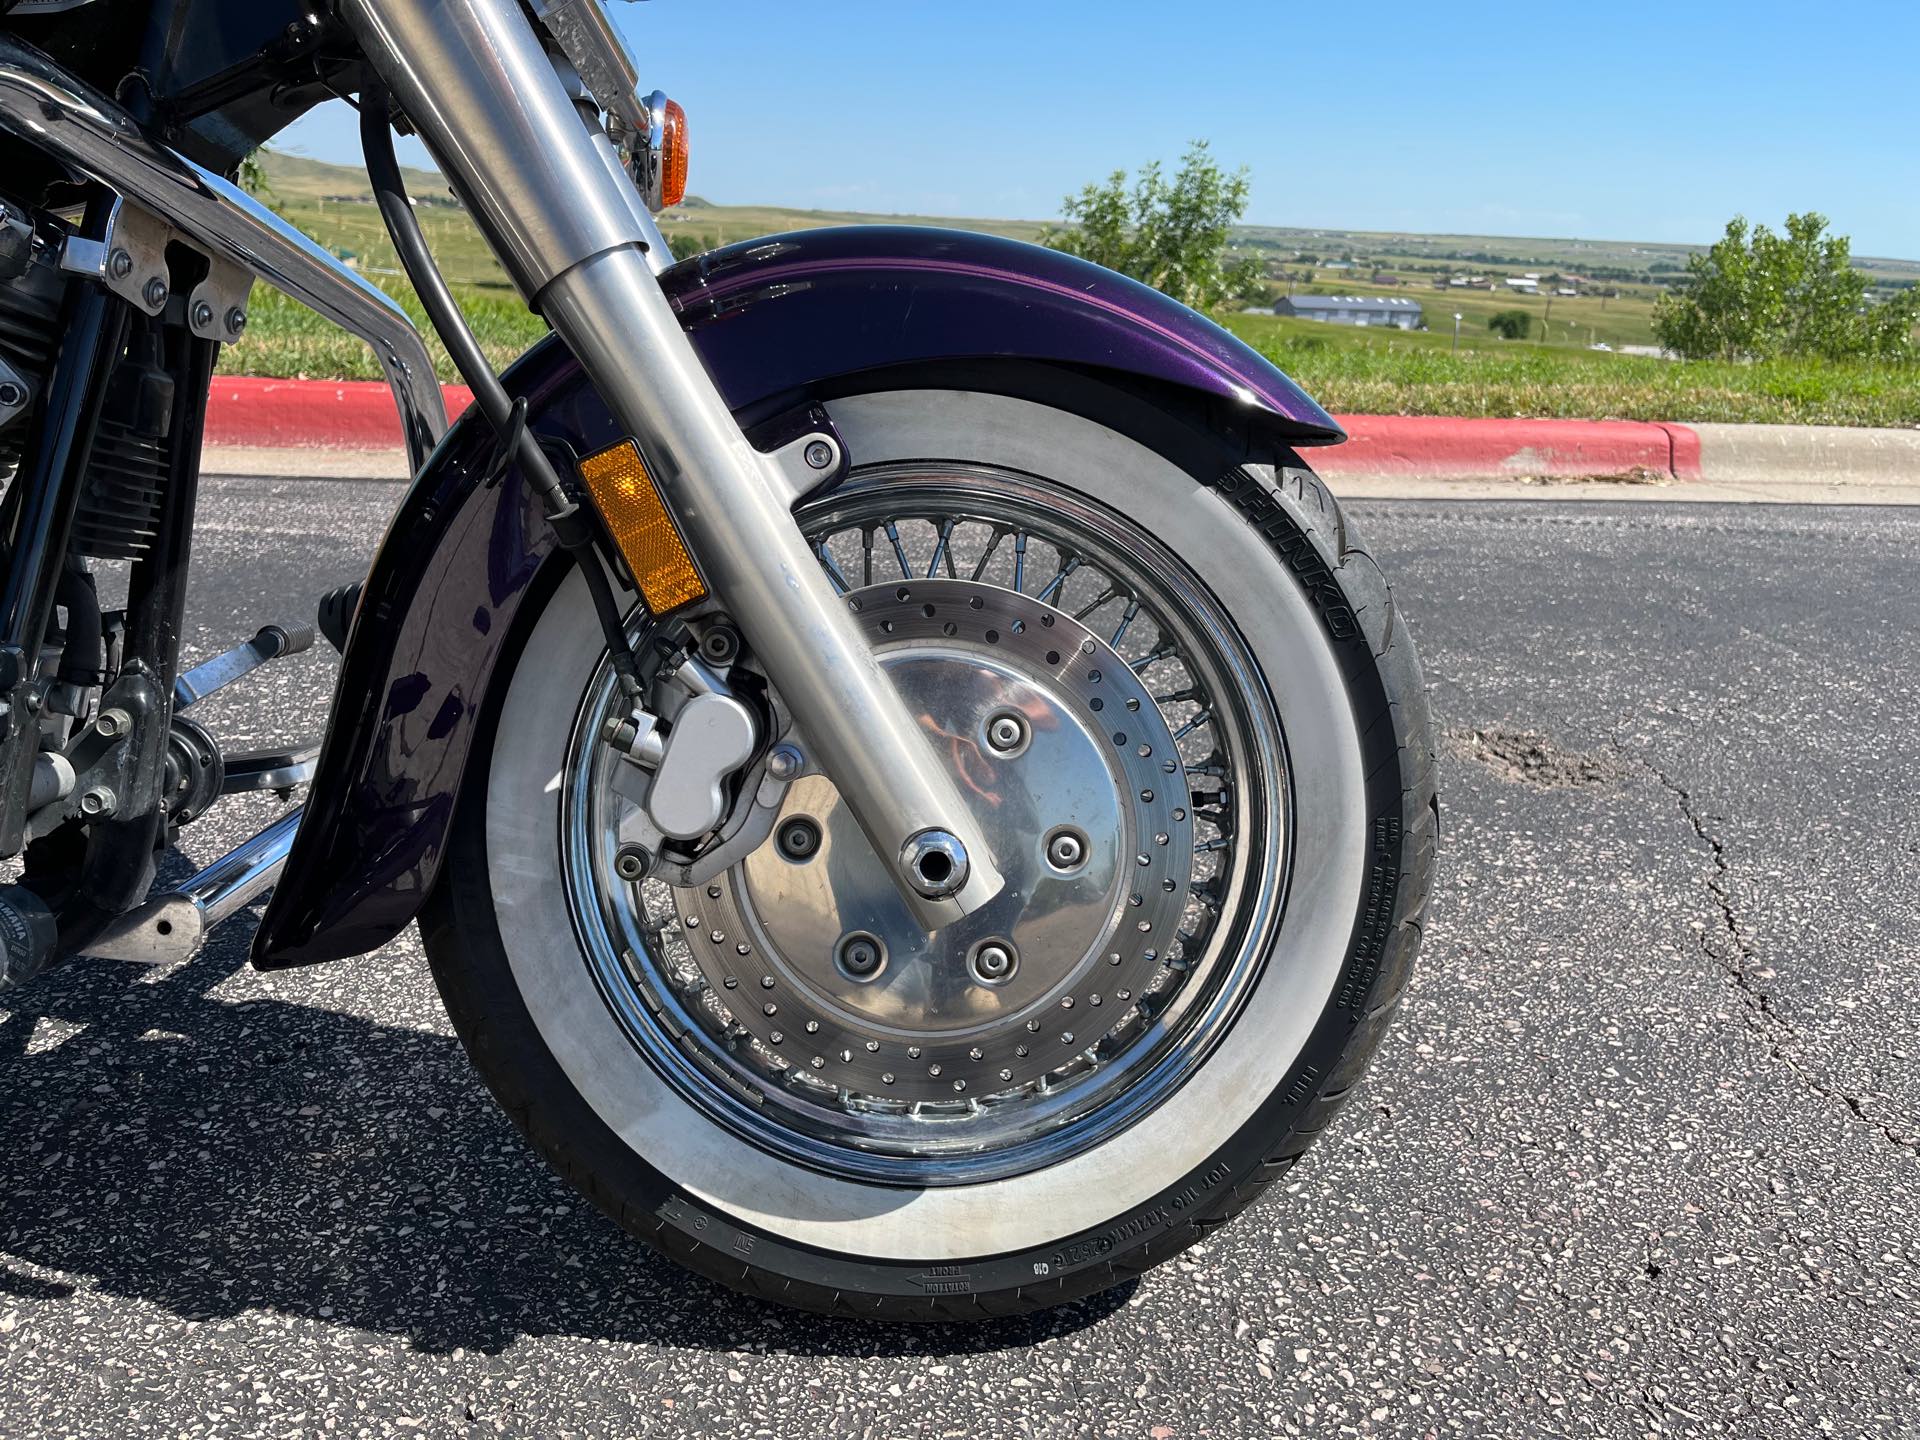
column 51, row 109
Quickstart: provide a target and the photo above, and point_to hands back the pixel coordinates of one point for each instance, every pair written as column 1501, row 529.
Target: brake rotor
column 816, row 970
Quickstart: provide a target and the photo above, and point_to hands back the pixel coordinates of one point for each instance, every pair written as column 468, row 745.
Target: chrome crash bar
column 44, row 104
column 170, row 926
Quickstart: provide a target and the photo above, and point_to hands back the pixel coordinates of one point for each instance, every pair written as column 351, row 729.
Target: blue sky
column 1629, row 120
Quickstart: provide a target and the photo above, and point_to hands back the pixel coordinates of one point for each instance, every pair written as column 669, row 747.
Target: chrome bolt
column 11, row 394
column 120, row 264
column 1066, row 850
column 993, row 962
column 819, row 454
column 97, row 801
column 859, row 955
column 785, row 762
column 155, row 293
column 1006, row 732
column 112, row 722
column 630, row 863
column 236, row 322
column 935, row 863
column 202, row 315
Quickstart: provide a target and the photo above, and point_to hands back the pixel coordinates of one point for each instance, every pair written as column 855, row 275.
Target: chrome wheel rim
column 1078, row 674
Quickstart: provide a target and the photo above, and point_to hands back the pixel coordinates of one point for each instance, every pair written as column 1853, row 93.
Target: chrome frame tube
column 570, row 227
column 173, row 924
column 51, row 109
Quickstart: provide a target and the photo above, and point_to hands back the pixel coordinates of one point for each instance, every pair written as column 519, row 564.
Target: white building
column 1352, row 310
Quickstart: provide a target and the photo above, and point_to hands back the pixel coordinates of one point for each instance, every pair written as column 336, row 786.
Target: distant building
column 1527, row 284
column 1352, row 310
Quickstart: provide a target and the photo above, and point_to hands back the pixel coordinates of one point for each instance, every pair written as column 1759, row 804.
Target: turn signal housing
column 663, row 167
column 629, row 502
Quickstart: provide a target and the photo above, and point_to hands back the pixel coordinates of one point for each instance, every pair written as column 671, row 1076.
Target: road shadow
column 212, row 1157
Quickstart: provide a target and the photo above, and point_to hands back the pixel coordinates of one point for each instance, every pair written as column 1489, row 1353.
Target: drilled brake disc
column 1076, row 783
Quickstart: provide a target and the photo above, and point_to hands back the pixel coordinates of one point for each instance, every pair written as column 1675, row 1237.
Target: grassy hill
column 1349, row 370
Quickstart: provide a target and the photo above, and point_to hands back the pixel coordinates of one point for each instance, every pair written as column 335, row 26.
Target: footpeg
column 222, row 670
column 335, row 615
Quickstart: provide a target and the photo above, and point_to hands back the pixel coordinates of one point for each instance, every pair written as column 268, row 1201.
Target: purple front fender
column 773, row 320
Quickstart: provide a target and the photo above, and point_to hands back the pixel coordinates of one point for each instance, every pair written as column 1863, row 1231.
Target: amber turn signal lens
column 673, row 155
column 625, row 496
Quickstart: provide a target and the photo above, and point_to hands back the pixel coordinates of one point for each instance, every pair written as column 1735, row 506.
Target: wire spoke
column 899, row 551
column 941, row 552
column 840, row 584
column 1060, row 578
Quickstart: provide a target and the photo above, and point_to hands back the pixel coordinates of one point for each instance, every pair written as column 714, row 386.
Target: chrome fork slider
column 564, row 217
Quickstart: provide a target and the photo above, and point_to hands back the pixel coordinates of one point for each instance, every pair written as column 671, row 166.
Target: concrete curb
column 250, row 412
column 350, row 429
column 1446, row 448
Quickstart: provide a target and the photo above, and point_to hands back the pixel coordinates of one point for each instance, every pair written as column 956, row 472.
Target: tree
column 1171, row 235
column 252, row 178
column 1510, row 324
column 1756, row 295
column 685, row 246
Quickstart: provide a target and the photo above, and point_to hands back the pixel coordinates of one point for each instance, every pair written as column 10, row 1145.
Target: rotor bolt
column 120, row 264
column 993, row 962
column 1066, row 850
column 202, row 315
column 630, row 863
column 859, row 955
column 785, row 762
column 799, row 838
column 155, row 293
column 1006, row 733
column 720, row 644
column 819, row 455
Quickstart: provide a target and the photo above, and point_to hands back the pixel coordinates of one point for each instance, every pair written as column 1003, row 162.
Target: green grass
column 1353, row 371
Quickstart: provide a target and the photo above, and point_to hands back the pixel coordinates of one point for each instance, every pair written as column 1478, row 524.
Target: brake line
column 572, row 525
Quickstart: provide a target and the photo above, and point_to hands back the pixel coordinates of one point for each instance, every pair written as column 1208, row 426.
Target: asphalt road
column 1641, row 1157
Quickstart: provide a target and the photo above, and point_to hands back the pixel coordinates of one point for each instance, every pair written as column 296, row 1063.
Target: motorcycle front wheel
column 1177, row 693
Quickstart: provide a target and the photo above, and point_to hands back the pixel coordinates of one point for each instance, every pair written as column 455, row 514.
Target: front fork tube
column 568, row 223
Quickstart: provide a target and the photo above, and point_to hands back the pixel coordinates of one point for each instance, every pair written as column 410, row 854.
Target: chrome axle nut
column 935, row 864
column 630, row 863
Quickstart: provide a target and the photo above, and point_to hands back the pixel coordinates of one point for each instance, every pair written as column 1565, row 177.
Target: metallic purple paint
column 772, row 319
column 895, row 295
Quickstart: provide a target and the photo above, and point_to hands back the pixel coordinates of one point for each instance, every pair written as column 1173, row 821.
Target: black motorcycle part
column 29, row 935
column 196, row 773
column 121, row 503
column 334, row 615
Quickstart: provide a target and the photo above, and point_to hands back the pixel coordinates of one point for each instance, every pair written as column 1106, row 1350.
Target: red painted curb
column 310, row 414
column 1442, row 447
column 360, row 415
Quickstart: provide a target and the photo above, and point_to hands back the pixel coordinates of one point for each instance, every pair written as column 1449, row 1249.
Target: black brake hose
column 571, row 526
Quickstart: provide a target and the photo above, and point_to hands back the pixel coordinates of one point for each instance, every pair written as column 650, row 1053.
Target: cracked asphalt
column 1641, row 1157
